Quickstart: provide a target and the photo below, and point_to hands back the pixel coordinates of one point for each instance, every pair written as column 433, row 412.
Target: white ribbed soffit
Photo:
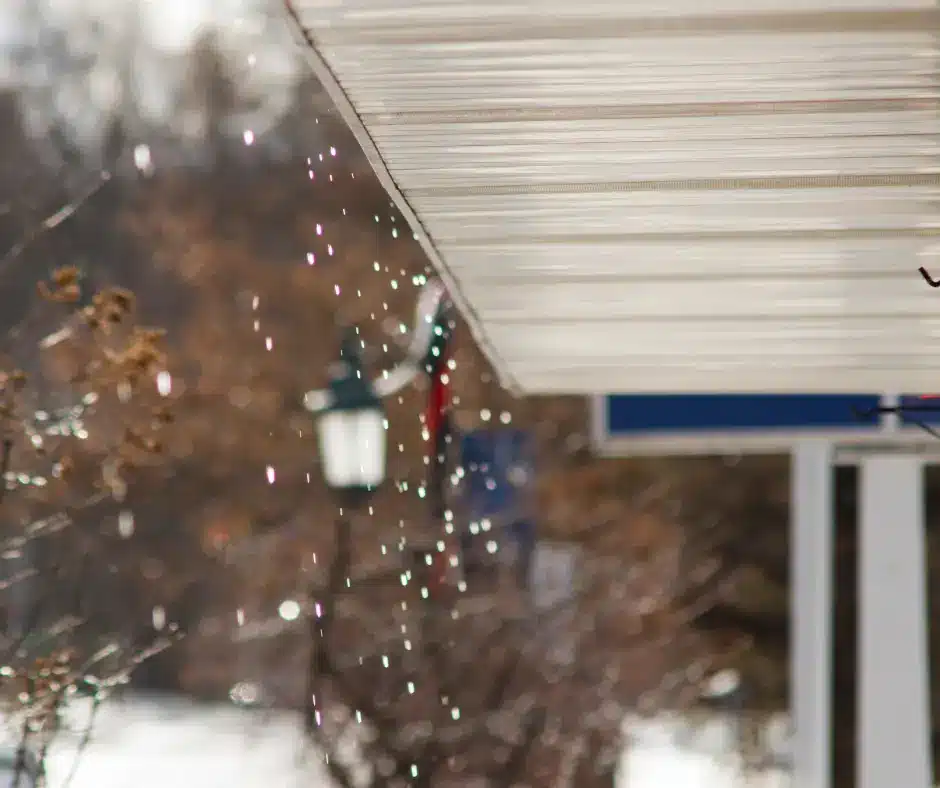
column 736, row 196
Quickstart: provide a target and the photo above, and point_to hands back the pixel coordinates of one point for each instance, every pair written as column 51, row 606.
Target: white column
column 894, row 711
column 812, row 569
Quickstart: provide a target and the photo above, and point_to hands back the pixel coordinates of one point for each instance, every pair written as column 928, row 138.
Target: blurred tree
column 453, row 686
column 85, row 587
column 74, row 435
column 78, row 68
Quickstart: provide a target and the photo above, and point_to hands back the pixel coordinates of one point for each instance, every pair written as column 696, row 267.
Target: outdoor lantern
column 352, row 427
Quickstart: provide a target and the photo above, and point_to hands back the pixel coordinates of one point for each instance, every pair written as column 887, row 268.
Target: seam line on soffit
column 414, row 32
column 860, row 234
column 724, row 109
column 733, row 183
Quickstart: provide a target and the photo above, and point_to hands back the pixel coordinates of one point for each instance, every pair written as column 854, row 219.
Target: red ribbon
column 438, row 401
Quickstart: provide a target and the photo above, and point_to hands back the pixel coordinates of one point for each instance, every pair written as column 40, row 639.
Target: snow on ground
column 156, row 743
column 673, row 752
column 161, row 743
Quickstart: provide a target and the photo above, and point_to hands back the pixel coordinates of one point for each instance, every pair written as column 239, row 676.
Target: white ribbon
column 422, row 335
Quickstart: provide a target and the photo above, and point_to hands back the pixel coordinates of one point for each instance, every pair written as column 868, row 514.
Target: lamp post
column 352, row 442
column 351, row 429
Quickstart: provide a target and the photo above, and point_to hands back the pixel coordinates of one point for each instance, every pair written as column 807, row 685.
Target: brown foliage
column 76, row 429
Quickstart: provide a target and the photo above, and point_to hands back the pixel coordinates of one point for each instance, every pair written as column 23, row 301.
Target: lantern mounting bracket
column 431, row 302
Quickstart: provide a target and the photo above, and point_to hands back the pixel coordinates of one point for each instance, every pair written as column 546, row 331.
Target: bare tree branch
column 53, row 221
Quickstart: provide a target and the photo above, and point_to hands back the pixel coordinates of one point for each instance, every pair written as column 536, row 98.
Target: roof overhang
column 626, row 199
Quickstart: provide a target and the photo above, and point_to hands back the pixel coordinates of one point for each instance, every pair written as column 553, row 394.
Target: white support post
column 812, row 570
column 894, row 711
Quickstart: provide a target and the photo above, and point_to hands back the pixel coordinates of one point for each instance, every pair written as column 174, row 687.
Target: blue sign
column 498, row 472
column 497, row 466
column 731, row 423
column 915, row 409
column 632, row 413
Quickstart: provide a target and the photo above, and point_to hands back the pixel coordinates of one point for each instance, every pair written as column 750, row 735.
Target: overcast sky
column 148, row 39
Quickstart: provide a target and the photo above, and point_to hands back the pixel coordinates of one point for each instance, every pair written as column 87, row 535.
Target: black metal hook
column 928, row 278
column 901, row 410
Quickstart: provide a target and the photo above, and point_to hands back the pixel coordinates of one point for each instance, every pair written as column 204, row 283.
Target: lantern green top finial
column 349, row 386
